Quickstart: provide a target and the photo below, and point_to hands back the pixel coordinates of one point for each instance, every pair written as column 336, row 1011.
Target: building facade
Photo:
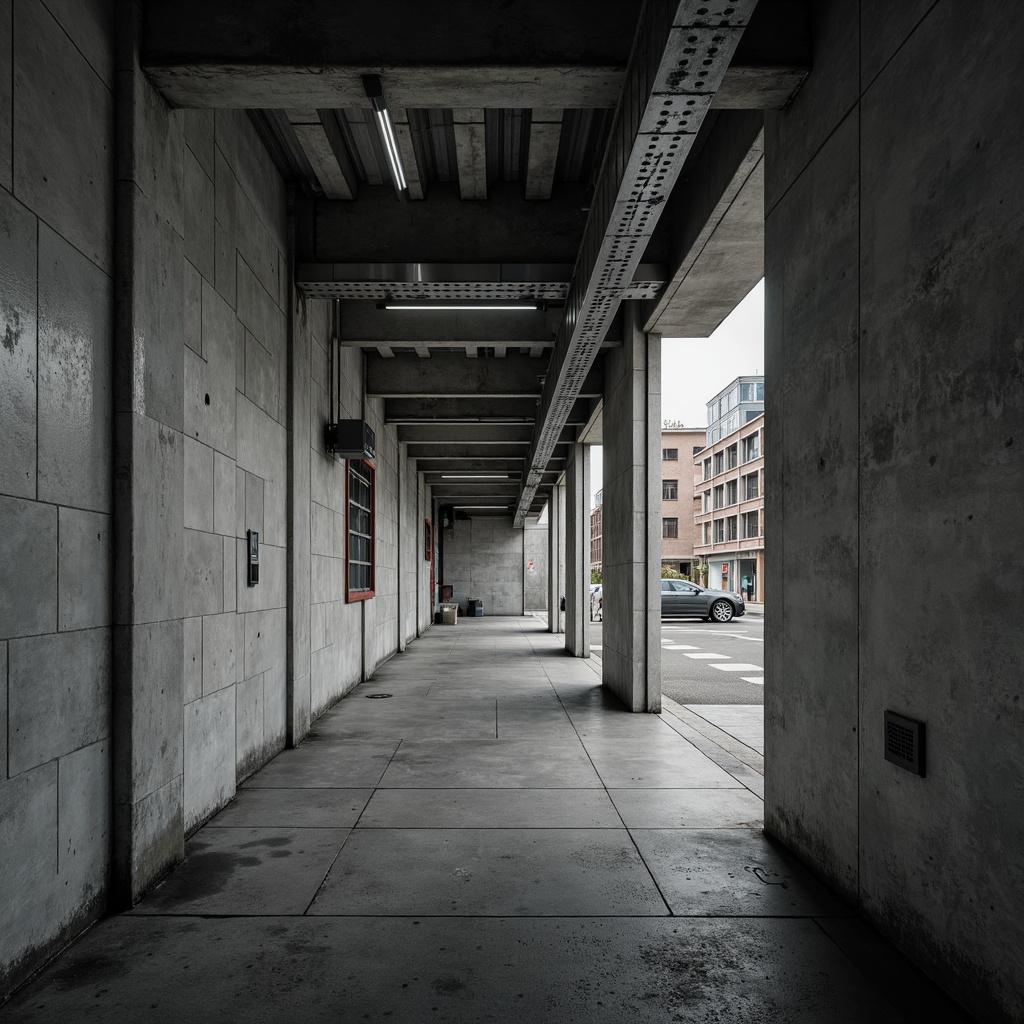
column 595, row 532
column 729, row 492
column 679, row 445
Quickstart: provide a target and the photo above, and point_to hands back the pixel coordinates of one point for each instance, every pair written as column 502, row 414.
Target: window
column 719, row 465
column 707, row 469
column 670, row 454
column 719, row 530
column 670, row 528
column 747, row 392
column 719, row 496
column 730, row 492
column 751, row 447
column 730, row 457
column 730, row 528
column 750, row 489
column 707, row 501
column 750, row 524
column 707, row 533
column 360, row 484
column 669, row 490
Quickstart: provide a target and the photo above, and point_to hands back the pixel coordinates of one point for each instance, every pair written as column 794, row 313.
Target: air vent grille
column 904, row 742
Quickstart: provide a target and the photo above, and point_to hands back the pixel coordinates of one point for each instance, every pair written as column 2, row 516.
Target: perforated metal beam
column 680, row 55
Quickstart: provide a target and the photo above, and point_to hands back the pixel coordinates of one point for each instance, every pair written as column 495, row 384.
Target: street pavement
column 706, row 663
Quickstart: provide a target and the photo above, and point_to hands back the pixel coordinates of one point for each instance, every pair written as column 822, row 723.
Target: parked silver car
column 680, row 598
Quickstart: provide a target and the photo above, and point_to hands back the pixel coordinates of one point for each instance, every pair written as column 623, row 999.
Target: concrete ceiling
column 564, row 154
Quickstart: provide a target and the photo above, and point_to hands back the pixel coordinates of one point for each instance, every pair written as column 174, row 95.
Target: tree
column 595, row 576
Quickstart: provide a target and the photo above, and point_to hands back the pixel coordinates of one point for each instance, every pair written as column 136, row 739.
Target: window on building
column 747, row 392
column 719, row 530
column 760, row 391
column 707, row 501
column 669, row 490
column 707, row 533
column 731, row 489
column 752, row 446
column 751, row 526
column 730, row 528
column 750, row 486
column 670, row 454
column 719, row 463
column 731, row 456
column 719, row 496
column 707, row 469
column 669, row 528
column 360, row 484
column 697, row 449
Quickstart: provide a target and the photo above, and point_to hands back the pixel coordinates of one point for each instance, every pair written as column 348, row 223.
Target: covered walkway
column 482, row 833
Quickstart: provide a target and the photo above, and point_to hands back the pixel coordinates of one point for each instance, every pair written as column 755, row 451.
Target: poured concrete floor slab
column 487, row 872
column 497, row 841
column 490, row 808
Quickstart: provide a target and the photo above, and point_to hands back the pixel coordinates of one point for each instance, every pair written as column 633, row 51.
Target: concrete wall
column 535, row 565
column 56, row 504
column 631, row 540
column 894, row 227
column 484, row 559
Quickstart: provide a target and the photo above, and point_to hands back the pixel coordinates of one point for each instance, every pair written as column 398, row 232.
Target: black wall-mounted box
column 351, row 439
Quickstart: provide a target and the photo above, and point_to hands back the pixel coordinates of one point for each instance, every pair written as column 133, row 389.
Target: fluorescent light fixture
column 485, row 306
column 375, row 92
column 474, row 476
column 506, row 507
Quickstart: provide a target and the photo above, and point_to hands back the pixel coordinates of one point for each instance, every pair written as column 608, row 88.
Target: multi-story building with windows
column 679, row 444
column 729, row 490
column 595, row 531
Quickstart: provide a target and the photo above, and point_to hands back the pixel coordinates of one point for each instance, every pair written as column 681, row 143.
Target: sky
column 694, row 370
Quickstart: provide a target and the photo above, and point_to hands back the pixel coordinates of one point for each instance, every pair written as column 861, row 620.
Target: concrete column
column 148, row 479
column 299, row 707
column 577, row 553
column 631, row 663
column 556, row 527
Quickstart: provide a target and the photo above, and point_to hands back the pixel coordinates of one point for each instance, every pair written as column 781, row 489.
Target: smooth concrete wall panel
column 55, row 87
column 906, row 202
column 28, row 552
column 484, row 560
column 56, row 229
column 75, row 368
column 813, row 366
column 84, row 591
column 6, row 93
column 18, row 347
column 942, row 426
column 209, row 756
column 823, row 100
column 51, row 710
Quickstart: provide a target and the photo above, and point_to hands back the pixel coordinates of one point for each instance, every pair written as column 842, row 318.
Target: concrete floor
column 497, row 840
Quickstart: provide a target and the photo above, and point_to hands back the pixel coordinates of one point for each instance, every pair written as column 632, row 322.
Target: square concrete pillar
column 556, row 558
column 631, row 546
column 577, row 552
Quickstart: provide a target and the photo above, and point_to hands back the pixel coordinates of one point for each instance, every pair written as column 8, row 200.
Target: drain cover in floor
column 377, row 696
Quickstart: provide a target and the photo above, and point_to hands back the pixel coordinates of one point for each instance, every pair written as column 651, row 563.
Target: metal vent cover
column 904, row 742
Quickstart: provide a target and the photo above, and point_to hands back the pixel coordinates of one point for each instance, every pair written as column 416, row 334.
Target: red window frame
column 369, row 471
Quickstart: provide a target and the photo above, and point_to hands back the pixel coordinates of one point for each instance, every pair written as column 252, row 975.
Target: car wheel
column 721, row 611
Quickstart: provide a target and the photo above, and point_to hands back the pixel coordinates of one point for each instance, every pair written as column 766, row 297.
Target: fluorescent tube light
column 375, row 93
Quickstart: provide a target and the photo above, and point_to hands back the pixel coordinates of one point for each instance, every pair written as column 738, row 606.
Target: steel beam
column 680, row 56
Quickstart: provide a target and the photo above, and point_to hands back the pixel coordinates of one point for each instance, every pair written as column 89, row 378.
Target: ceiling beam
column 716, row 223
column 681, row 53
column 469, row 464
column 467, row 450
column 447, row 374
column 477, row 433
column 331, row 166
column 534, row 53
column 471, row 151
column 489, row 410
column 542, row 152
column 444, row 229
column 403, row 136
